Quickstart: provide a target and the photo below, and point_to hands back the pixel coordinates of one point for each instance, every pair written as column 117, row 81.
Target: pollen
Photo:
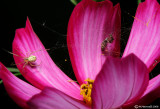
column 86, row 90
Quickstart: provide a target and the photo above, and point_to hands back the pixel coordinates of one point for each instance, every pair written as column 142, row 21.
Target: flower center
column 86, row 90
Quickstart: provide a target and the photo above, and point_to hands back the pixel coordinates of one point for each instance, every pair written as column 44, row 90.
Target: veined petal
column 17, row 89
column 44, row 71
column 119, row 81
column 89, row 25
column 152, row 93
column 51, row 98
column 145, row 34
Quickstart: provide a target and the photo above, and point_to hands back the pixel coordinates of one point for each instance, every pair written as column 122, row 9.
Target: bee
column 106, row 41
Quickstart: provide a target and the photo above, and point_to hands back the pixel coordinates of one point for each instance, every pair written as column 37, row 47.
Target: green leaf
column 13, row 69
column 75, row 2
column 1, row 81
column 139, row 1
column 17, row 74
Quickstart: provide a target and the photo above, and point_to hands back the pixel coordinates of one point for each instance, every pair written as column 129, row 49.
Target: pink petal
column 51, row 98
column 45, row 73
column 17, row 89
column 145, row 34
column 119, row 81
column 89, row 25
column 152, row 93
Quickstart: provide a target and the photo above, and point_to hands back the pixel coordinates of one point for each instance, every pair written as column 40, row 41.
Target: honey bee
column 107, row 40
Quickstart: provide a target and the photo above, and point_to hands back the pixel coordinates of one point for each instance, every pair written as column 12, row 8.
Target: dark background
column 49, row 20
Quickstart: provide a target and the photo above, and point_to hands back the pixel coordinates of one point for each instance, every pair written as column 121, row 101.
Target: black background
column 49, row 20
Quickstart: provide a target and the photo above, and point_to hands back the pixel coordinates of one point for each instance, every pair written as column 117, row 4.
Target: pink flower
column 106, row 82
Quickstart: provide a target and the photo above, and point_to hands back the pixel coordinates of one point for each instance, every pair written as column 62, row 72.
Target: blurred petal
column 145, row 34
column 17, row 89
column 51, row 98
column 45, row 72
column 152, row 93
column 89, row 25
column 119, row 81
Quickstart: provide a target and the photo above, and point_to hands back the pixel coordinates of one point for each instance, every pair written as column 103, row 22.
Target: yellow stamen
column 86, row 90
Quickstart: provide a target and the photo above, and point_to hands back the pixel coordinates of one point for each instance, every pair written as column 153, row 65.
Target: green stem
column 139, row 1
